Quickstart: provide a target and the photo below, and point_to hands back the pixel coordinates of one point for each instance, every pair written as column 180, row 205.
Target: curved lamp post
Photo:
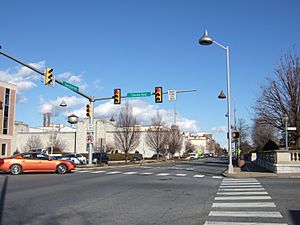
column 73, row 119
column 206, row 40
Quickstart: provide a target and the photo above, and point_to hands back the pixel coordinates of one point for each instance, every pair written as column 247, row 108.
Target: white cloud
column 73, row 79
column 220, row 129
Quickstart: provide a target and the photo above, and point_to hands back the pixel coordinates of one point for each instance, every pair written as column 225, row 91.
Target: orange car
column 34, row 162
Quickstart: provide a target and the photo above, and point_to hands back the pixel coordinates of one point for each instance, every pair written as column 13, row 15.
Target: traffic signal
column 49, row 77
column 117, row 96
column 88, row 110
column 235, row 134
column 158, row 95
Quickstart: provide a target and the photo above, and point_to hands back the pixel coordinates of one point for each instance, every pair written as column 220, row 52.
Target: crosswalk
column 105, row 172
column 243, row 202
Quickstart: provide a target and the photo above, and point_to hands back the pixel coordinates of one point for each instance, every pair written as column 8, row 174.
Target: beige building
column 7, row 117
column 200, row 140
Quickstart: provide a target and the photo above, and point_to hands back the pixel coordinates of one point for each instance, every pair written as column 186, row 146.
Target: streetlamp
column 73, row 119
column 285, row 118
column 206, row 40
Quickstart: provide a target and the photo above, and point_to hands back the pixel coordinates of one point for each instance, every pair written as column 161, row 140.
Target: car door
column 28, row 162
column 43, row 163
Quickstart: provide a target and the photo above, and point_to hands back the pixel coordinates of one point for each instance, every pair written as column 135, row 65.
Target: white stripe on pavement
column 241, row 189
column 100, row 171
column 83, row 171
column 180, row 175
column 240, row 223
column 236, row 184
column 243, row 193
column 146, row 173
column 217, row 177
column 163, row 174
column 129, row 173
column 239, row 181
column 241, row 186
column 243, row 198
column 198, row 175
column 113, row 172
column 246, row 214
column 243, row 205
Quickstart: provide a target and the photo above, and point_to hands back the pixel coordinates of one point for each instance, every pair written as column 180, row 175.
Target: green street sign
column 70, row 86
column 139, row 94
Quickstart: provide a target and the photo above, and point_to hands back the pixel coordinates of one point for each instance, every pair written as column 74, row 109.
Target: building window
column 3, row 149
column 6, row 111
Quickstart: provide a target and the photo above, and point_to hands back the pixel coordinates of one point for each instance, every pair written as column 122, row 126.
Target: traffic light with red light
column 88, row 110
column 158, row 95
column 117, row 96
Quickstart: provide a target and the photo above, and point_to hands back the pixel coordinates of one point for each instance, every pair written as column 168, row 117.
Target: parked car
column 100, row 157
column 135, row 159
column 193, row 156
column 34, row 162
column 78, row 159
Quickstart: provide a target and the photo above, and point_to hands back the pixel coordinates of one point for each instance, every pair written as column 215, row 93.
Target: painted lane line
column 100, row 171
column 129, row 173
column 242, row 186
column 244, row 205
column 146, row 173
column 243, row 198
column 180, row 175
column 240, row 181
column 198, row 176
column 240, row 223
column 113, row 172
column 241, row 189
column 236, row 184
column 217, row 177
column 243, row 193
column 83, row 171
column 163, row 174
column 246, row 214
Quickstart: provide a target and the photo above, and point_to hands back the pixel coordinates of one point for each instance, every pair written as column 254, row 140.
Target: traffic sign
column 139, row 94
column 292, row 128
column 70, row 86
column 90, row 128
column 89, row 138
column 172, row 95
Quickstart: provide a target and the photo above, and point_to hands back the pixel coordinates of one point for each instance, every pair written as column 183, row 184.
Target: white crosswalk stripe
column 238, row 198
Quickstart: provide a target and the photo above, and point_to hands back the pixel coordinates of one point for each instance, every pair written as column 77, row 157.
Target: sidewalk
column 251, row 170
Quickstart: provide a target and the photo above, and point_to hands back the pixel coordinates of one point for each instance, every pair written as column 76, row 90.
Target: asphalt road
column 173, row 193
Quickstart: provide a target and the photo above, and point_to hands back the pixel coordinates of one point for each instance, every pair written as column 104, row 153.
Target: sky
column 137, row 45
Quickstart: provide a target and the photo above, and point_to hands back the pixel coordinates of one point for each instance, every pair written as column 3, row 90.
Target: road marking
column 239, row 181
column 237, row 184
column 240, row 223
column 163, row 174
column 198, row 175
column 113, row 172
column 246, row 214
column 180, row 175
column 100, row 171
column 242, row 198
column 243, row 193
column 146, row 173
column 217, row 177
column 241, row 189
column 83, row 171
column 129, row 173
column 242, row 186
column 244, row 205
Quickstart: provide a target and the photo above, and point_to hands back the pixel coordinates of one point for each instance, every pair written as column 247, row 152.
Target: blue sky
column 136, row 45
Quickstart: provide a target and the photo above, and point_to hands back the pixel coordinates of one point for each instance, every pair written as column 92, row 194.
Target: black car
column 135, row 159
column 100, row 157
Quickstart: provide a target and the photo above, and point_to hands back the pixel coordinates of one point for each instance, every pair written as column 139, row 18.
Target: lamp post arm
column 222, row 46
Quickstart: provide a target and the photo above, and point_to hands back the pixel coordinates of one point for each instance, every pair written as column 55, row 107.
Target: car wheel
column 61, row 169
column 15, row 169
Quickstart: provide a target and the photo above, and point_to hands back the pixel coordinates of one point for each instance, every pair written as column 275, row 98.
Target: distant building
column 200, row 140
column 7, row 117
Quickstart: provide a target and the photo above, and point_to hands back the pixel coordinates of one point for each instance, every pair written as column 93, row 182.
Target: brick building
column 7, row 117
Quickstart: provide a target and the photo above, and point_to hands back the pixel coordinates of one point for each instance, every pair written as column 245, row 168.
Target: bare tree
column 157, row 135
column 127, row 134
column 261, row 134
column 33, row 142
column 281, row 95
column 189, row 147
column 175, row 140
